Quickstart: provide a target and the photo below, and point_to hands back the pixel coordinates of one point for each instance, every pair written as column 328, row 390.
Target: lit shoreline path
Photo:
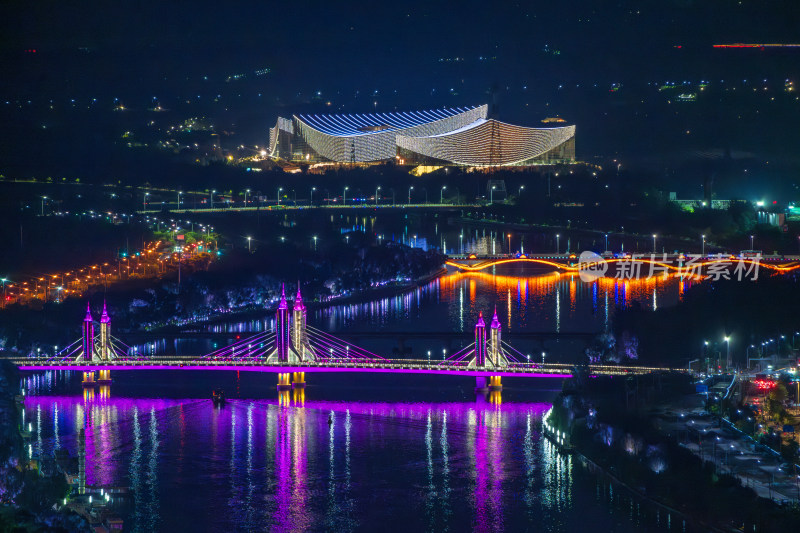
column 293, row 349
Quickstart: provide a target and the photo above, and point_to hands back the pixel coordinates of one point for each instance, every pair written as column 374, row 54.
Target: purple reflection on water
column 188, row 463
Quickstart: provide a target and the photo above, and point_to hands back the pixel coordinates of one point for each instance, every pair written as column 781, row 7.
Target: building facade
column 454, row 136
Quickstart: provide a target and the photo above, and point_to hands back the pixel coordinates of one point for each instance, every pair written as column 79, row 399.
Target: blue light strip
column 353, row 124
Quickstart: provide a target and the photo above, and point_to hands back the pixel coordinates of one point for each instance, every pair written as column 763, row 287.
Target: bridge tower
column 480, row 353
column 480, row 341
column 105, row 331
column 104, row 376
column 494, row 339
column 88, row 335
column 282, row 329
column 300, row 342
column 495, row 356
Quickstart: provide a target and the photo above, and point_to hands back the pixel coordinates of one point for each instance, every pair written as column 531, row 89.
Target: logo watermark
column 592, row 266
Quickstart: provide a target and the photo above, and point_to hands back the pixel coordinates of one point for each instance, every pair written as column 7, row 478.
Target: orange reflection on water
column 534, row 292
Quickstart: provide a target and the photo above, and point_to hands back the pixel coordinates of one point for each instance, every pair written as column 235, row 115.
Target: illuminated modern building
column 489, row 143
column 456, row 136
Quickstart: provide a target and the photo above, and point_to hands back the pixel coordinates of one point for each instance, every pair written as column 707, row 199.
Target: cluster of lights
column 554, row 433
column 488, row 143
column 764, row 384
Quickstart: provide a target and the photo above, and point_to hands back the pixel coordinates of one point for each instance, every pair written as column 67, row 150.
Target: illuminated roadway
column 409, row 366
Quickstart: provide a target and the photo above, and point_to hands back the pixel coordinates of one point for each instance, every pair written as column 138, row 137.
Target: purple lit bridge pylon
column 294, row 348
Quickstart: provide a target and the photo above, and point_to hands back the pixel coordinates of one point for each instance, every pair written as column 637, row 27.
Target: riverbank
column 352, row 297
column 30, row 499
column 626, row 445
column 670, row 242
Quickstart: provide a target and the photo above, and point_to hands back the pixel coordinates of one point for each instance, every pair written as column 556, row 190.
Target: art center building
column 452, row 136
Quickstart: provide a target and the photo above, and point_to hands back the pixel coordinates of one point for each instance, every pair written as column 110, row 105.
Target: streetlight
column 441, row 194
column 606, row 241
column 558, row 246
column 315, row 242
column 461, row 241
column 43, row 199
column 246, row 192
column 491, row 194
column 344, row 196
column 654, row 243
column 179, row 199
column 378, row 188
column 248, row 243
column 728, row 343
column 279, row 195
column 509, row 244
column 409, row 193
column 311, row 202
column 144, row 201
column 751, row 242
column 703, row 253
column 211, row 198
column 520, row 190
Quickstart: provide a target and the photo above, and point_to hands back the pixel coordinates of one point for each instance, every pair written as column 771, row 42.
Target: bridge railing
column 410, row 364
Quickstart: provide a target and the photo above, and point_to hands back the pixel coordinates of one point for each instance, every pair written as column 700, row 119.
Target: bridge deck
column 551, row 370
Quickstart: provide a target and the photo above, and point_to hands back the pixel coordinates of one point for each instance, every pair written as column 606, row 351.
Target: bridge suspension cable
column 244, row 348
column 330, row 347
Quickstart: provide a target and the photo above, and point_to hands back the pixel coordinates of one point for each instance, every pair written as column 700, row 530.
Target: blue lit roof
column 360, row 124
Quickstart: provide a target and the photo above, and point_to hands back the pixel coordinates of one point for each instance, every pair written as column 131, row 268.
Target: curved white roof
column 345, row 124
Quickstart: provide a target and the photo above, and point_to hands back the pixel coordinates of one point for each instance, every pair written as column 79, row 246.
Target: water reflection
column 525, row 299
column 294, row 463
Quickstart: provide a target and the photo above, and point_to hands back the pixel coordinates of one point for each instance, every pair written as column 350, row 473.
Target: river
column 355, row 452
column 345, row 455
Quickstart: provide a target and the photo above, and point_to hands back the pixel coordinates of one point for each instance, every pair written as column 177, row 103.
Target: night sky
column 599, row 65
column 400, row 46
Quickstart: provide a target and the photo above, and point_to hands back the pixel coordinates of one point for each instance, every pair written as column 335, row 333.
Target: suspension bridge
column 293, row 348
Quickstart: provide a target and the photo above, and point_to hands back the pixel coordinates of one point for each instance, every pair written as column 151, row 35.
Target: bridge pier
column 283, row 381
column 104, row 377
column 88, row 379
column 298, row 380
column 494, row 383
column 481, row 384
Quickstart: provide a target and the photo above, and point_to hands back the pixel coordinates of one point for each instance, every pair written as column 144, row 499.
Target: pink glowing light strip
column 307, row 369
